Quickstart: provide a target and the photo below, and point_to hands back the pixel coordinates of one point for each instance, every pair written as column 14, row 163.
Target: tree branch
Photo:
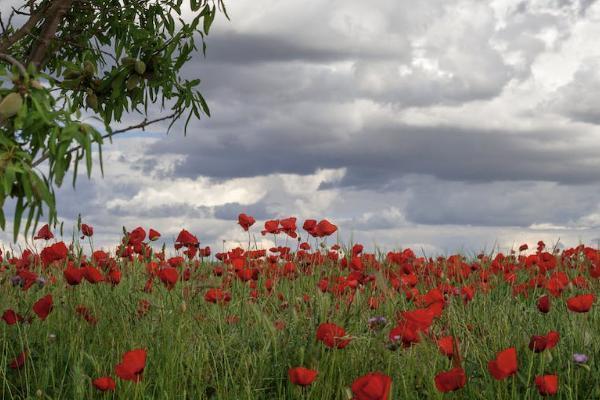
column 141, row 125
column 58, row 9
column 11, row 60
column 24, row 30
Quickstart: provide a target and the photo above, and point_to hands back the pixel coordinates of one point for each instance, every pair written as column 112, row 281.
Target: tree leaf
column 17, row 218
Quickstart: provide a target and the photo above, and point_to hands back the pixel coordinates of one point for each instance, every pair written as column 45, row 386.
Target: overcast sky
column 437, row 125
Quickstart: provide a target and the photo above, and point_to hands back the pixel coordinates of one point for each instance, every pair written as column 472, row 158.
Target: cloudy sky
column 441, row 125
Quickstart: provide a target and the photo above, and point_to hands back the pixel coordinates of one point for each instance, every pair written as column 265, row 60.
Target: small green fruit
column 89, row 68
column 11, row 105
column 128, row 60
column 70, row 84
column 71, row 74
column 140, row 67
column 36, row 84
column 133, row 82
column 92, row 101
column 85, row 128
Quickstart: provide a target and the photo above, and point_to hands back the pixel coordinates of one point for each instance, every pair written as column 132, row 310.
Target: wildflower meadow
column 312, row 320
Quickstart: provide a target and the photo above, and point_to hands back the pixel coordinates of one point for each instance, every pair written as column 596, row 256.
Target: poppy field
column 306, row 319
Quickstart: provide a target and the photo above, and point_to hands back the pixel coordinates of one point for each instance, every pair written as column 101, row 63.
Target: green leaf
column 223, row 8
column 209, row 18
column 75, row 169
column 40, row 189
column 9, row 178
column 2, row 219
column 29, row 219
column 40, row 109
column 17, row 220
column 204, row 105
column 101, row 161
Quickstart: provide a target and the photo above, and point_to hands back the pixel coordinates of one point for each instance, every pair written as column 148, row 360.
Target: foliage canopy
column 64, row 62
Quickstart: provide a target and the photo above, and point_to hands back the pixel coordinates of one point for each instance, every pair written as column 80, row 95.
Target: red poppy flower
column 132, row 365
column 325, row 228
column 176, row 261
column 372, row 386
column 101, row 258
column 582, row 303
column 310, row 226
column 56, row 252
column 186, row 239
column 331, row 335
column 105, row 383
column 543, row 304
column 216, row 295
column 28, row 277
column 406, row 333
column 205, row 252
column 450, row 381
column 523, row 247
column 153, row 235
column 435, row 295
column 43, row 306
column 304, row 246
column 467, row 292
column 72, row 275
column 302, row 376
column 19, row 361
column 271, row 226
column 413, row 323
column 504, row 365
column 245, row 221
column 136, row 236
column 114, row 276
column 92, row 274
column 87, row 230
column 539, row 343
column 86, row 314
column 446, row 346
column 547, row 385
column 557, row 283
column 44, row 233
column 11, row 317
column 148, row 286
column 169, row 277
column 288, row 226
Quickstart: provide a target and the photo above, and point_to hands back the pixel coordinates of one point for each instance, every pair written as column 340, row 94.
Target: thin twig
column 75, row 44
column 2, row 26
column 11, row 60
column 23, row 30
column 141, row 125
column 21, row 12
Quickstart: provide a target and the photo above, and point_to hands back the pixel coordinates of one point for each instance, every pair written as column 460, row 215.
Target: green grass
column 195, row 351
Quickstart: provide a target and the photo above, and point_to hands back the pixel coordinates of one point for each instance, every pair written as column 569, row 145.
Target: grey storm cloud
column 434, row 202
column 276, row 105
column 231, row 211
column 165, row 211
column 579, row 99
column 376, row 156
column 251, row 48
